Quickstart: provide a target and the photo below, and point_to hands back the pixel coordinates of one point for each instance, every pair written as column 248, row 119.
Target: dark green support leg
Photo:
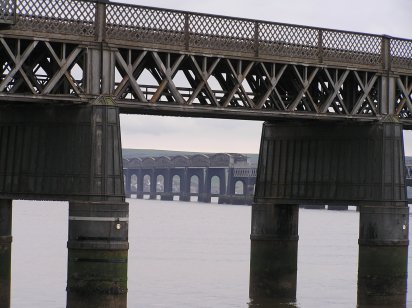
column 5, row 252
column 274, row 252
column 97, row 255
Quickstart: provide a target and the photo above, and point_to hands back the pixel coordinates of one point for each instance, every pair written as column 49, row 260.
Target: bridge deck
column 230, row 67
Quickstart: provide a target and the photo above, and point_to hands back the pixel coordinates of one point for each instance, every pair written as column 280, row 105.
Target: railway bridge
column 335, row 104
column 228, row 177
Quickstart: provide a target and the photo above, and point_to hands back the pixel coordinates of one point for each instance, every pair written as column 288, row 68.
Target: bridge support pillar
column 97, row 254
column 383, row 256
column 384, row 230
column 5, row 252
column 205, row 197
column 274, row 252
column 166, row 197
column 184, row 197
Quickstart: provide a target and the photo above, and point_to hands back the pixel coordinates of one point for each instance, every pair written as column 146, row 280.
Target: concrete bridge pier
column 5, row 252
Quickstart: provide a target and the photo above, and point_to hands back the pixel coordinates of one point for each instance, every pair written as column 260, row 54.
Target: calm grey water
column 186, row 255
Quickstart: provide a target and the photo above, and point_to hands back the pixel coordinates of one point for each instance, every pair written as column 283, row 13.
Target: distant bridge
column 228, row 177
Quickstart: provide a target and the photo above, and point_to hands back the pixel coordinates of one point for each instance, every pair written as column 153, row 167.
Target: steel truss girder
column 403, row 102
column 149, row 81
column 36, row 70
column 224, row 83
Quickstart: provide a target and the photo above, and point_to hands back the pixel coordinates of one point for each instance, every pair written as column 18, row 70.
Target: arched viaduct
column 229, row 177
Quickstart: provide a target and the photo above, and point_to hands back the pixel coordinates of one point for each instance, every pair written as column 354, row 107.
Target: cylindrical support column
column 274, row 252
column 383, row 256
column 97, row 255
column 5, row 252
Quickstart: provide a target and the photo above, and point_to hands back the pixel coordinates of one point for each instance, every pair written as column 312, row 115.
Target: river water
column 187, row 255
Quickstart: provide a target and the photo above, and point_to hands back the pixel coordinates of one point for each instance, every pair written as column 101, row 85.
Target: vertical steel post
column 5, row 252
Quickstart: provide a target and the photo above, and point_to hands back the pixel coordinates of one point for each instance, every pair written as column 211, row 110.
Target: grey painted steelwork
column 35, row 140
column 338, row 163
column 159, row 61
column 231, row 169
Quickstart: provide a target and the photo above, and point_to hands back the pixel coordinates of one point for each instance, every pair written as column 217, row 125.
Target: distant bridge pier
column 5, row 252
column 331, row 163
column 140, row 184
column 184, row 186
column 128, row 183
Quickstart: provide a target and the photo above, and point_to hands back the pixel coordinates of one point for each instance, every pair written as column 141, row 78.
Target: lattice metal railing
column 145, row 25
column 215, row 32
column 287, row 40
column 351, row 47
column 7, row 11
column 56, row 16
column 401, row 51
column 193, row 31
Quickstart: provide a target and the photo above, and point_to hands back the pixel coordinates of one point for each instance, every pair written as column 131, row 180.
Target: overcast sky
column 391, row 17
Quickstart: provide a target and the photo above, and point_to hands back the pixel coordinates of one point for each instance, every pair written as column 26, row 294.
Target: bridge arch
column 148, row 163
column 199, row 160
column 176, row 184
column 147, row 183
column 133, row 183
column 215, row 185
column 163, row 162
column 180, row 161
column 240, row 187
column 194, row 184
column 160, row 183
column 134, row 163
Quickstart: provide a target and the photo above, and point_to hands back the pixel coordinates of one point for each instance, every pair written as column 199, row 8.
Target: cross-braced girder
column 214, row 82
column 161, row 61
column 36, row 69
